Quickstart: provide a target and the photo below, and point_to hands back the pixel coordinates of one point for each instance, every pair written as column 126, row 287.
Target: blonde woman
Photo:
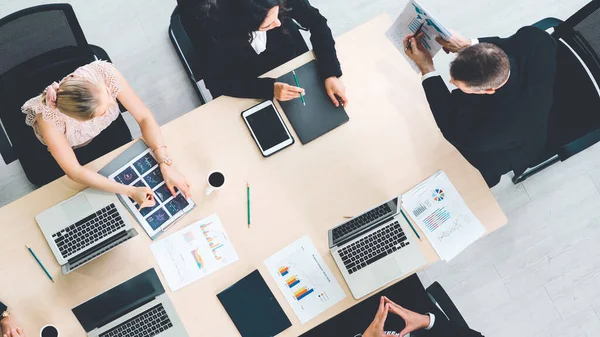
column 70, row 113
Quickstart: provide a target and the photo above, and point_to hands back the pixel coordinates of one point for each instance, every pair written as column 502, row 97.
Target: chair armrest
column 99, row 53
column 6, row 150
column 547, row 23
column 183, row 46
column 439, row 296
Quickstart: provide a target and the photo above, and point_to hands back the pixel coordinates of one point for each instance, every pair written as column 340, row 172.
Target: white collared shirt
column 259, row 41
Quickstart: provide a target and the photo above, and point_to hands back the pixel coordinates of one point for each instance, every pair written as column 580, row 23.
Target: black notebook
column 253, row 308
column 319, row 116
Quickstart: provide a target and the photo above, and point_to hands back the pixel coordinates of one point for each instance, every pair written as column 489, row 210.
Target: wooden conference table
column 390, row 144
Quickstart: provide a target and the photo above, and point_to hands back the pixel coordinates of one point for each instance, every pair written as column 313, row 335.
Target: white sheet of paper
column 411, row 18
column 304, row 279
column 193, row 252
column 441, row 213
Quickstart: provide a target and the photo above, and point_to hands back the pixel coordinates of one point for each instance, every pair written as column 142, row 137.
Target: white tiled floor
column 537, row 276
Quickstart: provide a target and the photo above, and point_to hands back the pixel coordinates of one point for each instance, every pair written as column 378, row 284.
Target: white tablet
column 143, row 171
column 267, row 128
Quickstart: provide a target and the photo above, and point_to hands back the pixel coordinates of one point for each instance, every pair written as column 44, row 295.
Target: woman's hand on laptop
column 174, row 179
column 376, row 327
column 142, row 196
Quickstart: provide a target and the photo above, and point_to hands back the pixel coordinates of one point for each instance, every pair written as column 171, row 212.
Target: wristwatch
column 4, row 315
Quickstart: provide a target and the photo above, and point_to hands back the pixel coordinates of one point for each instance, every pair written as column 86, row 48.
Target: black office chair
column 438, row 296
column 39, row 45
column 189, row 57
column 574, row 121
column 187, row 54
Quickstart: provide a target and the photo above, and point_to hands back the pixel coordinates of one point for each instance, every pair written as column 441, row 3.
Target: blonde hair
column 76, row 97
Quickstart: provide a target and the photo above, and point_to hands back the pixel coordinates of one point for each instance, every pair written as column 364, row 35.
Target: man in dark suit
column 497, row 118
column 8, row 325
column 422, row 325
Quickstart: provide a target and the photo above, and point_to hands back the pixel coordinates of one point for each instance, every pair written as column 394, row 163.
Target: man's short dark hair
column 481, row 66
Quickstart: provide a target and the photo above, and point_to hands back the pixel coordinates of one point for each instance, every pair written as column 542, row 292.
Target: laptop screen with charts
column 375, row 248
column 137, row 307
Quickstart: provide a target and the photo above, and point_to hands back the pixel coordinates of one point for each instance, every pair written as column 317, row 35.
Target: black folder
column 253, row 308
column 319, row 116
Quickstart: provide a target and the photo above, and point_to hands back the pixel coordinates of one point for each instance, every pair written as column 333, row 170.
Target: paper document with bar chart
column 304, row 279
column 441, row 213
column 194, row 252
column 412, row 17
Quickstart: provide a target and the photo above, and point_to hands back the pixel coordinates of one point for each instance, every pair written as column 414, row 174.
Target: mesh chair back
column 37, row 31
column 589, row 29
column 582, row 33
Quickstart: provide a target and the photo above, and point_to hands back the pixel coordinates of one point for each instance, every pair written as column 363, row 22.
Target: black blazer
column 2, row 307
column 507, row 130
column 445, row 328
column 232, row 68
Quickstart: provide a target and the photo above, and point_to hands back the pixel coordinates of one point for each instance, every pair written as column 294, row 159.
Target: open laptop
column 138, row 307
column 84, row 227
column 375, row 248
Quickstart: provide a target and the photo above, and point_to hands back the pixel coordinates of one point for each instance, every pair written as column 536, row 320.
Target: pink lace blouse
column 77, row 132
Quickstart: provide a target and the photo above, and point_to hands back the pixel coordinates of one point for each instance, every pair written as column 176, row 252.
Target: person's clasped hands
column 413, row 321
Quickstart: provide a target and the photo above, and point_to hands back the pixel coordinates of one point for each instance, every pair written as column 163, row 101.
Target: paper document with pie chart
column 193, row 252
column 441, row 213
column 304, row 279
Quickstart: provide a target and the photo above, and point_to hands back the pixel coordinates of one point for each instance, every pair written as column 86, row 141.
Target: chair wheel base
column 519, row 178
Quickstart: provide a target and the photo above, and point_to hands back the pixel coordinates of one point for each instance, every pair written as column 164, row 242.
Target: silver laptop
column 138, row 307
column 375, row 248
column 84, row 227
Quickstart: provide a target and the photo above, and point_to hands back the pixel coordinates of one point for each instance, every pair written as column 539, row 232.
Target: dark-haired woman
column 239, row 40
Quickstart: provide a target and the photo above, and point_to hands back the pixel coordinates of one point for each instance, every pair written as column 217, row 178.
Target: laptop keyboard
column 147, row 324
column 361, row 220
column 373, row 247
column 88, row 231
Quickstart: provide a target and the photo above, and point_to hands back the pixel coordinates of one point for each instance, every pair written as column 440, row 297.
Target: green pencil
column 40, row 263
column 411, row 226
column 248, row 197
column 298, row 85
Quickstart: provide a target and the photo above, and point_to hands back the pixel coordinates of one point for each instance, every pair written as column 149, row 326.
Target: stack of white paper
column 411, row 18
column 438, row 209
column 193, row 252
